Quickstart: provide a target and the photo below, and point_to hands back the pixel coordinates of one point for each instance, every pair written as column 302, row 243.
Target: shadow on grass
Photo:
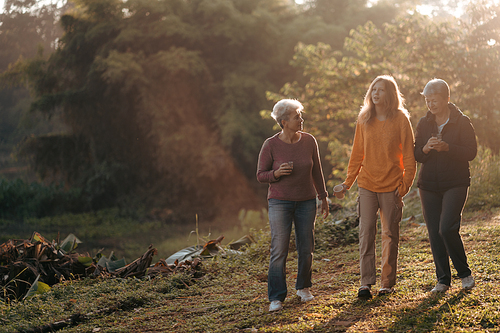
column 425, row 316
column 358, row 310
column 421, row 318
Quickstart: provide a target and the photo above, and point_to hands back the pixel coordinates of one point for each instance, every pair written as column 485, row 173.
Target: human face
column 294, row 122
column 437, row 104
column 379, row 93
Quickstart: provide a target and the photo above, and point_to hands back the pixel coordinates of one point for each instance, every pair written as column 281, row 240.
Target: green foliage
column 37, row 288
column 331, row 234
column 337, row 230
column 94, row 297
column 414, row 49
column 27, row 27
column 169, row 92
column 20, row 200
column 253, row 220
column 259, row 250
column 485, row 181
column 146, row 85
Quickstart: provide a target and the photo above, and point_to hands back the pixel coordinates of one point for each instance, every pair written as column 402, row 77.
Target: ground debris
column 32, row 266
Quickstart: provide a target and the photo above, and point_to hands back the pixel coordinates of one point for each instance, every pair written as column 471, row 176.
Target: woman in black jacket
column 445, row 142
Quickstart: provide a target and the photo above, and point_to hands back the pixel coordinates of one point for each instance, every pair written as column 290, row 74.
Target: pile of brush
column 32, row 266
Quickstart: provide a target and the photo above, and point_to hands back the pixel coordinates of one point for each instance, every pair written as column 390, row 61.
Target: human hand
column 399, row 199
column 325, row 208
column 339, row 190
column 285, row 169
column 441, row 146
column 431, row 144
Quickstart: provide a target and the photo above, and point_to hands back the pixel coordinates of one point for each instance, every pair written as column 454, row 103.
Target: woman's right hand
column 433, row 141
column 284, row 170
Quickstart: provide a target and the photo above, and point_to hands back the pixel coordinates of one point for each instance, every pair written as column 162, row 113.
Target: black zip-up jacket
column 441, row 171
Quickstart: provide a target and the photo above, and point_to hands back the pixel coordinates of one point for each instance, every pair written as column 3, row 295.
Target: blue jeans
column 282, row 214
column 442, row 214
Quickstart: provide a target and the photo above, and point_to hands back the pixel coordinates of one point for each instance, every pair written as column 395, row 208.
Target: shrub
column 331, row 233
column 485, row 181
column 20, row 200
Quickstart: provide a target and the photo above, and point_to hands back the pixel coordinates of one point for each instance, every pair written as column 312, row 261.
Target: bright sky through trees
column 423, row 9
column 43, row 2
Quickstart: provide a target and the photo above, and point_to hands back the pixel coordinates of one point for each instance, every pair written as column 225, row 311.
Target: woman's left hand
column 441, row 146
column 399, row 199
column 325, row 209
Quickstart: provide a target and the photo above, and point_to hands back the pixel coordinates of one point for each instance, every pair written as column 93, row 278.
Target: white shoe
column 305, row 295
column 468, row 282
column 440, row 288
column 275, row 306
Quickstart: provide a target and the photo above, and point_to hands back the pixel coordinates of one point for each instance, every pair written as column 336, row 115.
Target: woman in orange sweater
column 383, row 162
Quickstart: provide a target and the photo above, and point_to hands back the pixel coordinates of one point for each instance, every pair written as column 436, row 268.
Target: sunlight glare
column 428, row 10
column 424, row 9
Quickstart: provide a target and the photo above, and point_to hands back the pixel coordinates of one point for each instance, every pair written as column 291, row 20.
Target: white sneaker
column 440, row 288
column 468, row 282
column 275, row 306
column 305, row 295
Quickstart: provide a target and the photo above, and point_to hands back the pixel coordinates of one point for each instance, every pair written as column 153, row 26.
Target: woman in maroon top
column 289, row 161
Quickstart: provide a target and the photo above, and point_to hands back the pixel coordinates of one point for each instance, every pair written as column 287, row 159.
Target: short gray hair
column 283, row 108
column 437, row 87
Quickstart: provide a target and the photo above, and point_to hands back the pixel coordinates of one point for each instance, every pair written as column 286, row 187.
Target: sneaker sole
column 439, row 291
column 306, row 300
column 365, row 295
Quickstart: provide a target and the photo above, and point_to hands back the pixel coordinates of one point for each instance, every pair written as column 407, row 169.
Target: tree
column 414, row 49
column 153, row 92
column 27, row 27
column 162, row 97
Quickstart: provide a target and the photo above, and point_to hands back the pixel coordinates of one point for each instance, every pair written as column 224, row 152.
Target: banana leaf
column 110, row 264
column 37, row 287
column 185, row 254
column 85, row 261
column 69, row 243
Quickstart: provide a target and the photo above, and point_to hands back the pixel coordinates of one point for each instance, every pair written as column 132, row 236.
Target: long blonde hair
column 394, row 100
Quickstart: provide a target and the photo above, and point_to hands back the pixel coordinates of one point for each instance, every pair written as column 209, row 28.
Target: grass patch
column 232, row 295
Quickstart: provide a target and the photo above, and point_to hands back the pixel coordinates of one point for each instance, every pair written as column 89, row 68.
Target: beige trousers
column 390, row 205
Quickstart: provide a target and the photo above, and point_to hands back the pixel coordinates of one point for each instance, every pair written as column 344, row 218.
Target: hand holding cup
column 285, row 169
column 339, row 191
column 436, row 142
column 433, row 141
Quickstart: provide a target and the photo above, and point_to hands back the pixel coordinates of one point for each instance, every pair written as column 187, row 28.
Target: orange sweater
column 382, row 156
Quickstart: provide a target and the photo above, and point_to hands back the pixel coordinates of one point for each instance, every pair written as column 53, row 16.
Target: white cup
column 338, row 191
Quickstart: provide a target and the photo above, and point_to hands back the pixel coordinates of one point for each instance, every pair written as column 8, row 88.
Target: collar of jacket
column 455, row 113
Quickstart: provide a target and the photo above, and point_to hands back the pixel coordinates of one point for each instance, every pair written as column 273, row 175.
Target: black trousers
column 443, row 213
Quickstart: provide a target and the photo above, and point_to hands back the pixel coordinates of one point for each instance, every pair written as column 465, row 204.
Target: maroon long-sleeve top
column 306, row 180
